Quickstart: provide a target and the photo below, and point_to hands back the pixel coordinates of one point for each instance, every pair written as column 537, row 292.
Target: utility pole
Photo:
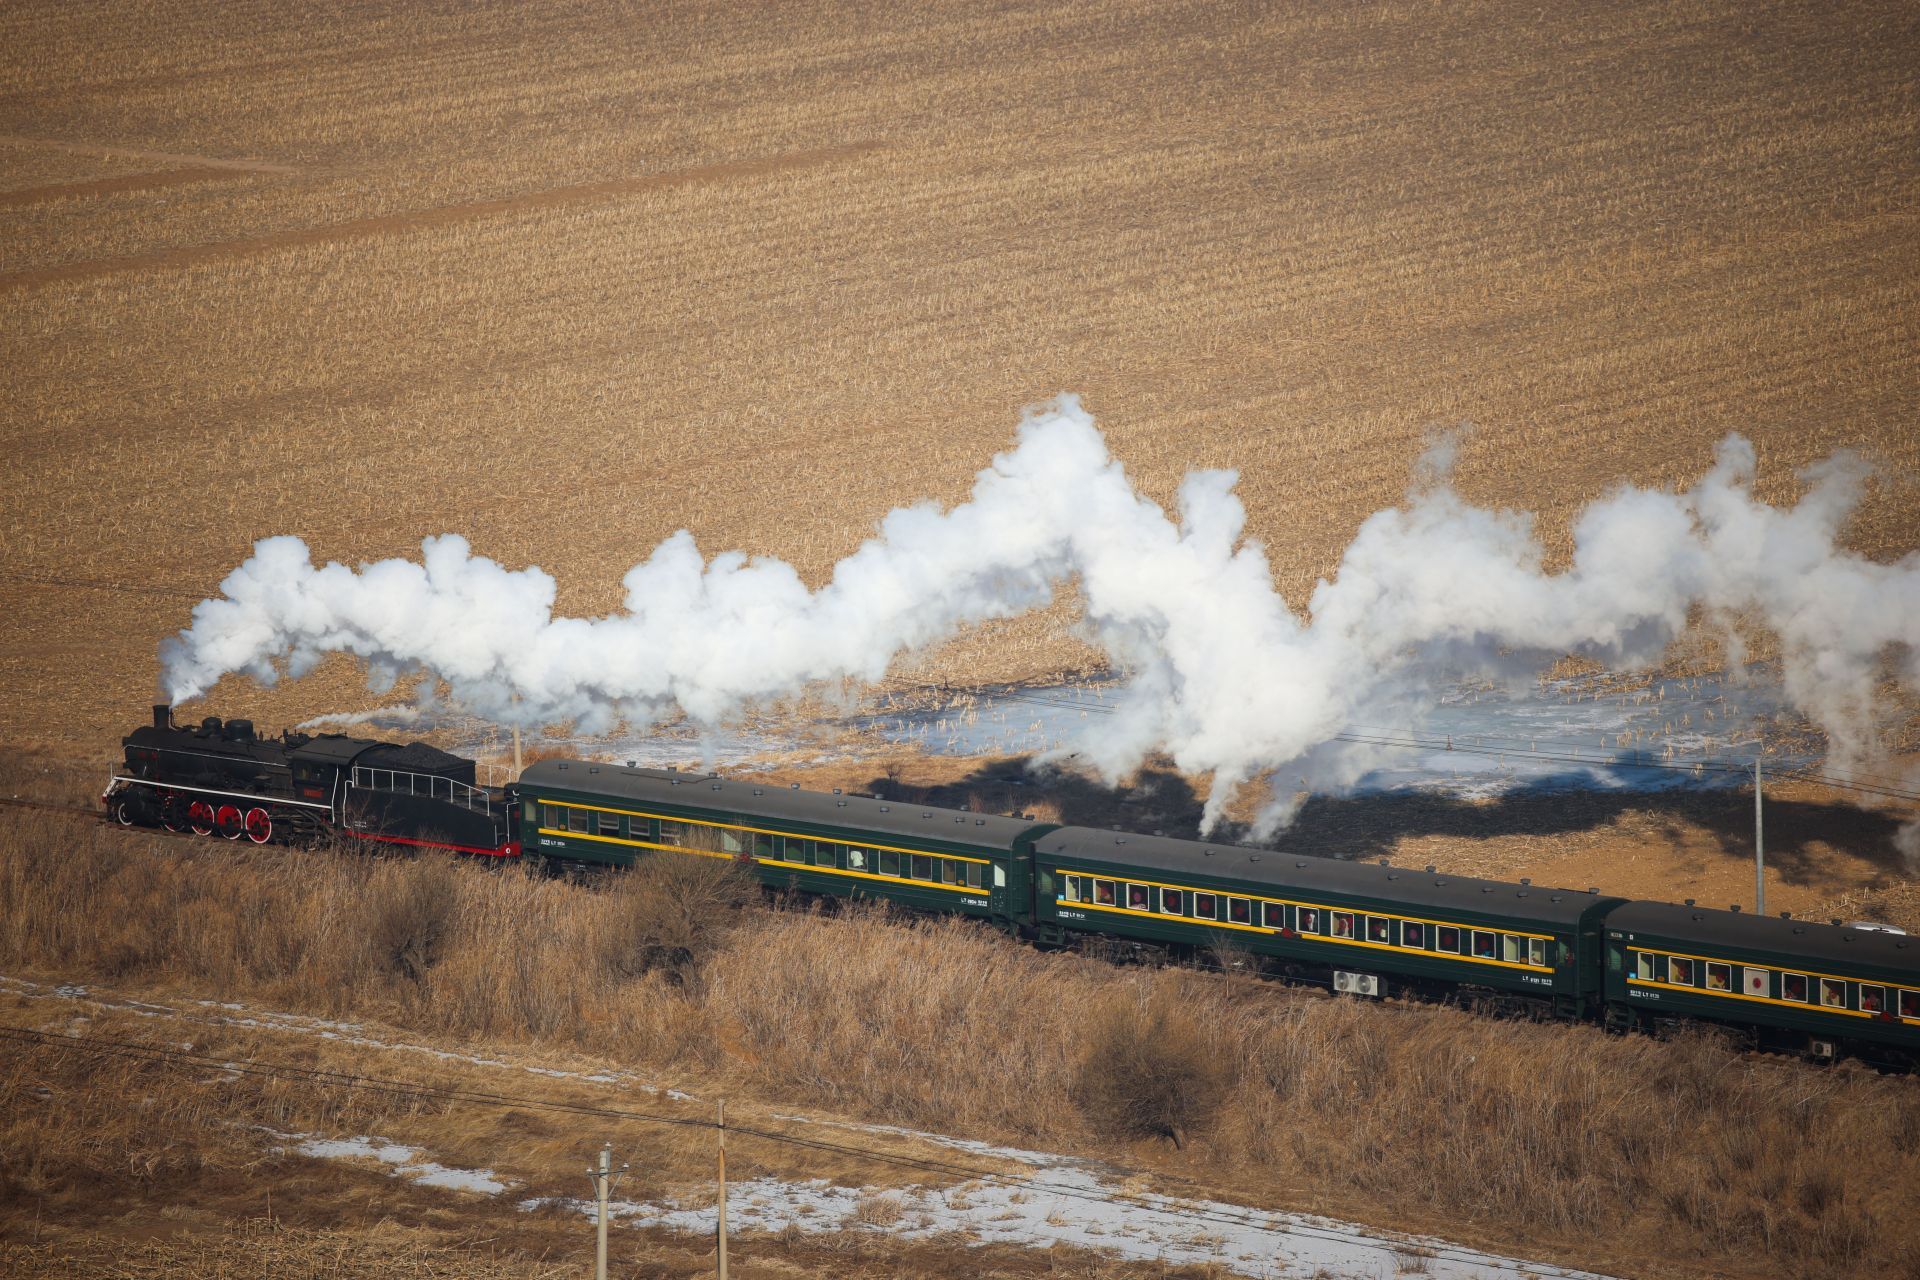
column 723, row 1190
column 1759, row 847
column 603, row 1179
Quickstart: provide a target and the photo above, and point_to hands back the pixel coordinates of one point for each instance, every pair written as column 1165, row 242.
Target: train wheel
column 200, row 818
column 259, row 826
column 170, row 811
column 229, row 822
column 123, row 812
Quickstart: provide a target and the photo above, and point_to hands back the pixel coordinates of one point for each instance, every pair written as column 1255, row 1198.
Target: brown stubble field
column 566, row 278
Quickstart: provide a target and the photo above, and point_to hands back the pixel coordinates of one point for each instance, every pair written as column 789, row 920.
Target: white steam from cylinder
column 1222, row 675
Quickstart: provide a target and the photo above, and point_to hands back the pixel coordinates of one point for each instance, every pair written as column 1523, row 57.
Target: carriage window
column 1173, row 902
column 1643, row 965
column 1239, row 911
column 1342, row 924
column 609, row 824
column 999, row 875
column 889, row 863
column 550, row 817
column 1719, row 977
column 1379, row 929
column 729, row 838
column 1103, row 892
column 949, row 871
column 976, row 875
column 1680, row 971
column 1510, row 948
column 799, row 850
column 1413, row 934
column 577, row 819
column 856, row 858
column 1447, row 938
column 921, row 867
column 1273, row 915
column 1206, row 906
column 1873, row 999
column 762, row 843
column 1537, row 952
column 1910, row 1004
column 1756, row 982
column 1483, row 945
column 1309, row 919
column 1793, row 986
column 1137, row 898
column 1833, row 993
column 1072, row 888
column 826, row 854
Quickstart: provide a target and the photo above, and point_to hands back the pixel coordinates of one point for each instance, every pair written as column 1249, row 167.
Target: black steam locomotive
column 224, row 779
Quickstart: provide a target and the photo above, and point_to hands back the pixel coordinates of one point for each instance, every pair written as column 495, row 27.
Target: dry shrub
column 1148, row 1071
column 671, row 915
column 413, row 910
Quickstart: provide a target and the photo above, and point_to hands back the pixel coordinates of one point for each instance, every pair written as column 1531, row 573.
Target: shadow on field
column 1363, row 827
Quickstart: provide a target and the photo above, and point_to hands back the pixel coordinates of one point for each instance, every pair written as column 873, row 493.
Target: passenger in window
column 1833, row 994
column 1681, row 971
column 1072, row 884
column 1239, row 911
column 856, row 859
column 1793, row 986
column 1378, row 929
column 1137, row 897
column 1448, row 939
column 1910, row 1004
column 1276, row 915
column 1103, row 892
column 1483, row 946
column 1204, row 906
column 1415, row 935
column 1342, row 925
column 1309, row 920
column 1717, row 977
column 1870, row 1000
column 1170, row 902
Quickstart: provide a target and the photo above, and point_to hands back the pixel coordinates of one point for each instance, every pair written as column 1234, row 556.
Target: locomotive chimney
column 162, row 716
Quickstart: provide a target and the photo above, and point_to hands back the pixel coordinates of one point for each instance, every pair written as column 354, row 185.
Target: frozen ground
column 1053, row 1199
column 1478, row 741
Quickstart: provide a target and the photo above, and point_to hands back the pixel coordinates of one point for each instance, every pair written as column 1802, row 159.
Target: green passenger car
column 1799, row 985
column 812, row 841
column 1364, row 929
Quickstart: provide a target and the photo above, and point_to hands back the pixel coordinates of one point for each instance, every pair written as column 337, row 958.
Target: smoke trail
column 1223, row 675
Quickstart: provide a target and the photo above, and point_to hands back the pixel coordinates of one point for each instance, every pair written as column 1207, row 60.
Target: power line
column 318, row 1077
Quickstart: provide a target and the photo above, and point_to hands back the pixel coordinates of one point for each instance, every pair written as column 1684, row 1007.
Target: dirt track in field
column 135, row 153
column 155, row 181
column 446, row 215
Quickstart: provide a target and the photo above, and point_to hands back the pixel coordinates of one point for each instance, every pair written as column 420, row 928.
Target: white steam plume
column 1224, row 676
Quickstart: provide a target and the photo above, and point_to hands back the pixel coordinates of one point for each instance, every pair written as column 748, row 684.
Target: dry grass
column 1649, row 1156
column 1287, row 240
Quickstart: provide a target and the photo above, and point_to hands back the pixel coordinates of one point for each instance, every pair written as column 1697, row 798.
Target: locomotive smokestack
column 162, row 716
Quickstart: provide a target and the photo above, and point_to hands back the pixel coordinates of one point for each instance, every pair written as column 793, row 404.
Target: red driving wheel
column 200, row 818
column 229, row 822
column 259, row 826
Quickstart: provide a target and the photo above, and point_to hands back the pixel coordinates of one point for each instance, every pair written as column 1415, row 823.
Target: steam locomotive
column 223, row 779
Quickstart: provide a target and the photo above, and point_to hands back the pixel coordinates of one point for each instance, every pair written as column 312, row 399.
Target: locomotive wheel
column 229, row 822
column 200, row 818
column 259, row 826
column 123, row 812
column 170, row 811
